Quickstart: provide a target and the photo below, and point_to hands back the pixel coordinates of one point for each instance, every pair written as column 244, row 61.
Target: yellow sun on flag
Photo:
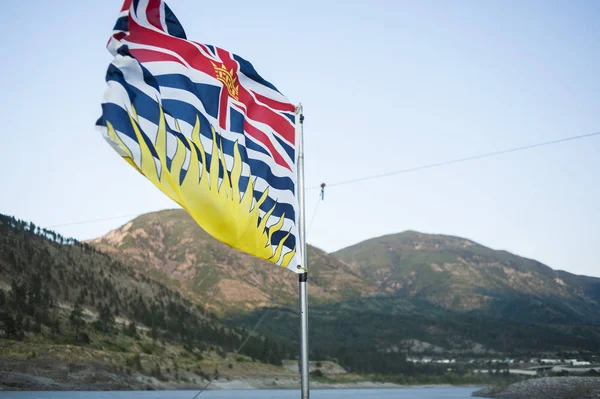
column 217, row 205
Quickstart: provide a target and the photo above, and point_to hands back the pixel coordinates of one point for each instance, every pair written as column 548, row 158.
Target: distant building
column 550, row 361
column 580, row 363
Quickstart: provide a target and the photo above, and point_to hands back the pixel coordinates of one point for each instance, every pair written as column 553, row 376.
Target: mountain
column 461, row 275
column 171, row 247
column 445, row 296
column 409, row 292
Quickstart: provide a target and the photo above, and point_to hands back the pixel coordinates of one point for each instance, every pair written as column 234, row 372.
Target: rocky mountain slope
column 459, row 274
column 171, row 247
column 450, row 272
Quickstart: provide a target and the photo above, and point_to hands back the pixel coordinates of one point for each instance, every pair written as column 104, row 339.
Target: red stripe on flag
column 264, row 115
column 153, row 13
column 204, row 47
column 126, row 5
column 264, row 139
column 280, row 124
column 144, row 55
column 223, row 107
column 119, row 36
column 279, row 106
column 186, row 50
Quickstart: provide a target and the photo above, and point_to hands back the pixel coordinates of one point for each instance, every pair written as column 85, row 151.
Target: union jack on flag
column 204, row 127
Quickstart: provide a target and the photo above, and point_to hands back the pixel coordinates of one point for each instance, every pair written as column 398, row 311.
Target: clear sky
column 385, row 85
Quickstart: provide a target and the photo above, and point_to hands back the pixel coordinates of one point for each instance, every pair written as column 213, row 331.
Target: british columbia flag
column 203, row 126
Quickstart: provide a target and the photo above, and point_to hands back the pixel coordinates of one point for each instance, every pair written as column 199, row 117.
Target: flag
column 205, row 128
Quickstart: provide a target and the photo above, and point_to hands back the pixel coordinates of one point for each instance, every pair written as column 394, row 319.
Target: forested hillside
column 57, row 291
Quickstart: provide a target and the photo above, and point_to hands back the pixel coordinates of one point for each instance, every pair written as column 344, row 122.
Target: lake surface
column 407, row 393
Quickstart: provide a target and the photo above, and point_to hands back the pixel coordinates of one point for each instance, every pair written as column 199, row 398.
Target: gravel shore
column 547, row 388
column 23, row 375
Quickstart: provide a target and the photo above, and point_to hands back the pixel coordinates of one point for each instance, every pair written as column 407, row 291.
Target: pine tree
column 106, row 320
column 154, row 333
column 137, row 362
column 55, row 324
column 76, row 319
column 8, row 324
column 47, row 302
column 18, row 297
column 131, row 329
column 19, row 333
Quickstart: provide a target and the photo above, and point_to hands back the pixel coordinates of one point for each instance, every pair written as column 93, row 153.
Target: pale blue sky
column 385, row 85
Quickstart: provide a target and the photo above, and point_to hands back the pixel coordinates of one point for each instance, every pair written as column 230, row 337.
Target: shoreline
column 567, row 387
column 19, row 381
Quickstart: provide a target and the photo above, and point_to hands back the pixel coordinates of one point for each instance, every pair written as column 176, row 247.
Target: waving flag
column 205, row 128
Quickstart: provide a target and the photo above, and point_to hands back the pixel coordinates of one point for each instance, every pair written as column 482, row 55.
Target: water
column 407, row 393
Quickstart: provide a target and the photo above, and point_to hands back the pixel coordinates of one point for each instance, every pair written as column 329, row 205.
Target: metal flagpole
column 304, row 365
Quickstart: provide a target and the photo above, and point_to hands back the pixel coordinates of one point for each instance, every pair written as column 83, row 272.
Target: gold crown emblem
column 230, row 81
